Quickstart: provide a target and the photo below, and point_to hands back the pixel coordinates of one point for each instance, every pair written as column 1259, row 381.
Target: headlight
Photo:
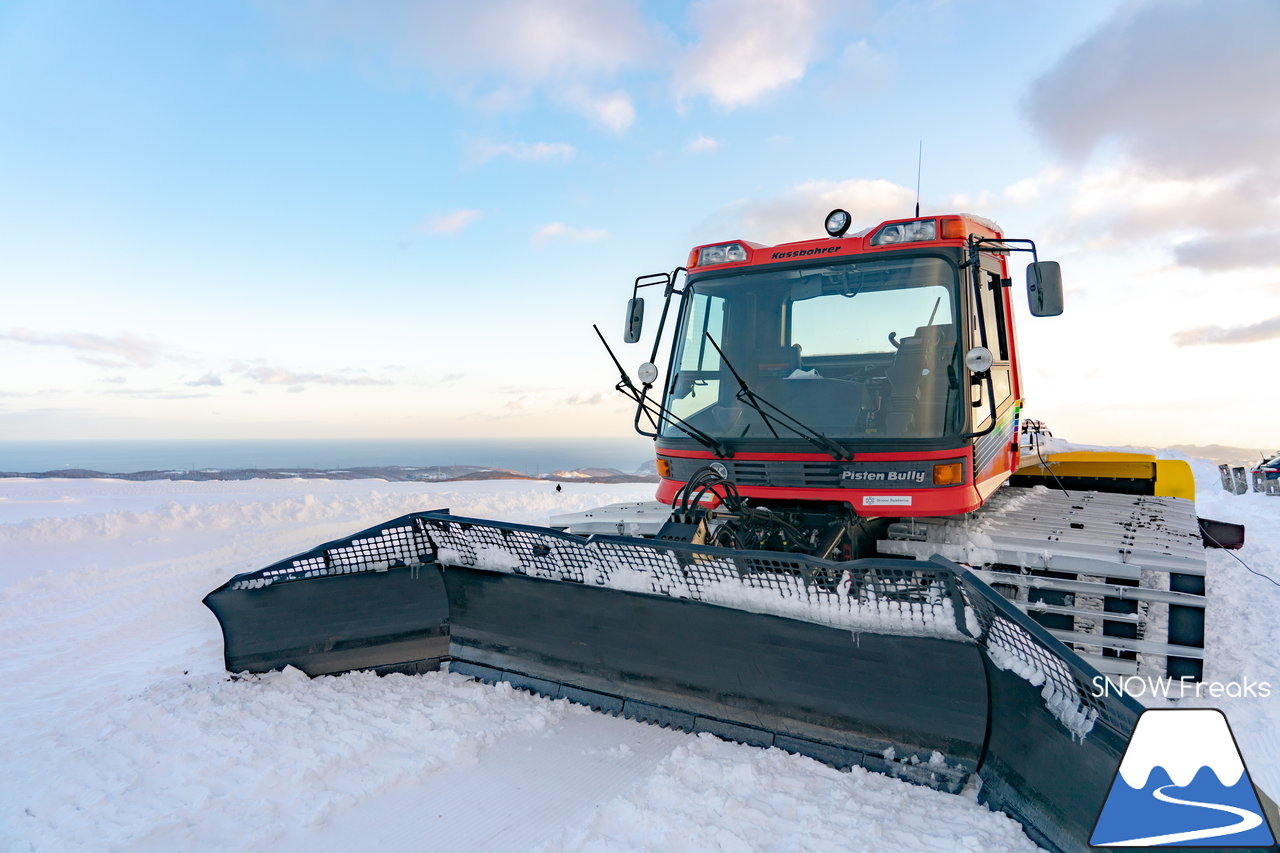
column 906, row 232
column 723, row 254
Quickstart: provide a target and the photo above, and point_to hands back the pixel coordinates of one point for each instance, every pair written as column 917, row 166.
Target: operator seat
column 831, row 406
column 917, row 403
column 777, row 361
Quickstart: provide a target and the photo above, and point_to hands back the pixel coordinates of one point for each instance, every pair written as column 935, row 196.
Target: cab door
column 992, row 451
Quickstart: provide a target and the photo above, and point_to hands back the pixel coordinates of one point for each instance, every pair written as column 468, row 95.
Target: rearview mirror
column 1044, row 288
column 635, row 319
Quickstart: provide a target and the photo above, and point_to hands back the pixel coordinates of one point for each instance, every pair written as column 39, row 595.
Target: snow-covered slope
column 121, row 732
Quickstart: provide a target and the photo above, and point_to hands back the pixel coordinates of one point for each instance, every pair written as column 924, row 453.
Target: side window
column 706, row 315
column 993, row 316
column 992, row 295
column 696, row 380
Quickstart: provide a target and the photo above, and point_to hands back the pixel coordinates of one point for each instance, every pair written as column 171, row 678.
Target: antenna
column 919, row 163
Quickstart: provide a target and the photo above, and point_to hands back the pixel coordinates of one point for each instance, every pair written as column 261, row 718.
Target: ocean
column 528, row 455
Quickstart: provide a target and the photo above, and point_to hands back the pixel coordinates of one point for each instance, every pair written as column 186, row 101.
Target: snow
column 1240, row 632
column 1058, row 689
column 120, row 730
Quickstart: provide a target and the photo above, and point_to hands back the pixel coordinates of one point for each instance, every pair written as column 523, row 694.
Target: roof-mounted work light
column 838, row 222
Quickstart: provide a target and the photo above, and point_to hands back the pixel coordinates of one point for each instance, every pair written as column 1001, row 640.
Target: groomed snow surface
column 120, row 731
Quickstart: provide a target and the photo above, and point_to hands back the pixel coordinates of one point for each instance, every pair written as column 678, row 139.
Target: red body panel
column 930, row 501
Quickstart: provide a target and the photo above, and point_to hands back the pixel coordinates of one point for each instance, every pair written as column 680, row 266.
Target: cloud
column 522, row 404
column 612, row 111
column 481, row 151
column 749, row 49
column 797, row 213
column 1177, row 104
column 451, row 222
column 559, row 231
column 1033, row 188
column 109, row 363
column 1266, row 330
column 157, row 394
column 594, row 399
column 125, row 349
column 703, row 144
column 209, row 379
column 265, row 375
column 870, row 69
column 1228, row 252
column 1118, row 205
column 497, row 54
column 1187, row 86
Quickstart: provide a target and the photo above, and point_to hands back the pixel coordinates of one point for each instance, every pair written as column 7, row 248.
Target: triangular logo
column 1182, row 783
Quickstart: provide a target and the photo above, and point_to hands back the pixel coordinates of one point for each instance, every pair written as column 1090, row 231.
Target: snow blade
column 912, row 668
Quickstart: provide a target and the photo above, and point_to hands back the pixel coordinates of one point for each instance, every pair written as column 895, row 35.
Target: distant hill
column 647, row 472
column 394, row 473
column 1224, row 454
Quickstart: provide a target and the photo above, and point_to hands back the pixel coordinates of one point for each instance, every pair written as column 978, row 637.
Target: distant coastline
column 391, row 473
column 397, row 459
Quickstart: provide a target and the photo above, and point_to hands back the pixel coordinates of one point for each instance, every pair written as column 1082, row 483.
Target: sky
column 362, row 220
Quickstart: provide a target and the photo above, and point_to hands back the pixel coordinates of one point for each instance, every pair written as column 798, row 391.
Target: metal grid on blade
column 1067, row 686
column 396, row 544
column 911, row 598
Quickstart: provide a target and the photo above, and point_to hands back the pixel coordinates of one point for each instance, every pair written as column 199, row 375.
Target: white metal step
column 1034, row 607
column 1128, row 644
column 1111, row 666
column 1078, row 532
column 640, row 518
column 1103, row 590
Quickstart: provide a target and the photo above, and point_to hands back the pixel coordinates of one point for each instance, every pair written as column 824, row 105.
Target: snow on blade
column 1041, row 669
column 909, row 602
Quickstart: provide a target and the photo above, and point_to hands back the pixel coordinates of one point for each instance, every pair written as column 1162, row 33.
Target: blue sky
column 331, row 219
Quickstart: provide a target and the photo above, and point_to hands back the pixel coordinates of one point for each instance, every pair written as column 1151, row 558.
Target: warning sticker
column 887, row 500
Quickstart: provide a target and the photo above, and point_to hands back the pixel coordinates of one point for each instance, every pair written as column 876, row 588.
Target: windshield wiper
column 755, row 401
column 652, row 408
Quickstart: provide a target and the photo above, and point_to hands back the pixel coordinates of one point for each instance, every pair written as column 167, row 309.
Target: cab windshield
column 855, row 351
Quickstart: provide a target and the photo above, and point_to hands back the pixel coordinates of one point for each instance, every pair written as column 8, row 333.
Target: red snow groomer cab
column 865, row 375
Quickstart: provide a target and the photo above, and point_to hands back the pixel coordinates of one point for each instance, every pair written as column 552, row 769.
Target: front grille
column 776, row 474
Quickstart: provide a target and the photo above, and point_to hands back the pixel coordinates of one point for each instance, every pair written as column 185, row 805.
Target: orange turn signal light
column 953, row 229
column 664, row 468
column 950, row 474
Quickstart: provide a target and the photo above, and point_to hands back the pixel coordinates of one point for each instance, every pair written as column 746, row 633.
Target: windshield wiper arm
column 755, row 401
column 745, row 394
column 651, row 408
